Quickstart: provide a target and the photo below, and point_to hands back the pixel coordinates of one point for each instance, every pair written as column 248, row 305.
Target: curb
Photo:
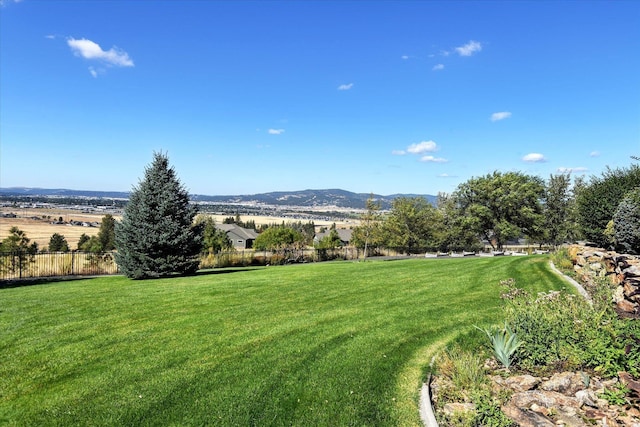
column 575, row 284
column 426, row 411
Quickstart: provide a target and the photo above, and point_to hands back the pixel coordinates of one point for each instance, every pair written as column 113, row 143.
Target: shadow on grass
column 34, row 281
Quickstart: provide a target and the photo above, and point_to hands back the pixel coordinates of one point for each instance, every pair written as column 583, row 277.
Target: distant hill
column 304, row 198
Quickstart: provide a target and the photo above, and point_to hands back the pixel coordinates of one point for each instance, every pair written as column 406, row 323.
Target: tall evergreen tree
column 157, row 236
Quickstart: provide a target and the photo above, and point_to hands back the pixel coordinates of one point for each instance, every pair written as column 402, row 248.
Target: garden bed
column 559, row 359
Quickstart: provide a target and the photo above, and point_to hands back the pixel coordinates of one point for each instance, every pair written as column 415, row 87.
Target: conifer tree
column 157, row 236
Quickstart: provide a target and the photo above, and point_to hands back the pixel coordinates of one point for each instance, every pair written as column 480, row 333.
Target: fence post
column 73, row 253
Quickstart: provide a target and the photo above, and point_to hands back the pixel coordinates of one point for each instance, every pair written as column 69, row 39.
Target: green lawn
column 317, row 344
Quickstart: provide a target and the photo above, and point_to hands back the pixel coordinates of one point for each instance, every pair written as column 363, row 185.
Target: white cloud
column 345, row 86
column 405, row 57
column 398, row 152
column 534, row 158
column 438, row 67
column 93, row 72
column 446, row 175
column 433, row 159
column 500, row 116
column 469, row 48
column 50, row 37
column 579, row 169
column 92, row 51
column 594, row 154
column 422, row 147
column 275, row 131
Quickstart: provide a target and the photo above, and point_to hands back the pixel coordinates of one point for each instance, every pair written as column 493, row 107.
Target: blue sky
column 367, row 96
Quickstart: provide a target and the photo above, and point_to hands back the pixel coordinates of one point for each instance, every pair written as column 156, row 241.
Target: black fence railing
column 23, row 265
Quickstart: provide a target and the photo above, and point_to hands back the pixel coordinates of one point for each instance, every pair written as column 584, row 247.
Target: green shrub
column 488, row 412
column 555, row 326
column 626, row 223
column 562, row 260
column 465, row 372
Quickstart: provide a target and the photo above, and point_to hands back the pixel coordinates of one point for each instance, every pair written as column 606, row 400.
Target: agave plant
column 505, row 342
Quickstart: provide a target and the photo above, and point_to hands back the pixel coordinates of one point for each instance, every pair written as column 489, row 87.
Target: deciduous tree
column 557, row 209
column 278, row 237
column 367, row 233
column 501, row 206
column 412, row 224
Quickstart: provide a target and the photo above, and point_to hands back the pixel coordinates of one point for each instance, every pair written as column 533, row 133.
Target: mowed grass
column 330, row 344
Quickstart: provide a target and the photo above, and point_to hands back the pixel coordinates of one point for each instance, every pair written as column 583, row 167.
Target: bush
column 626, row 223
column 555, row 326
column 462, row 378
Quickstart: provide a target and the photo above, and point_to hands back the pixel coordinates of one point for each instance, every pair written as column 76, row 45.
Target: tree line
column 501, row 207
column 161, row 233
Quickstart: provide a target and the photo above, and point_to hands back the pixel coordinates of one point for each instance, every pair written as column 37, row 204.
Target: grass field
column 328, row 344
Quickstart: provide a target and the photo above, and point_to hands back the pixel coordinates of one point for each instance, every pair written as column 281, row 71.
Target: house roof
column 344, row 234
column 244, row 233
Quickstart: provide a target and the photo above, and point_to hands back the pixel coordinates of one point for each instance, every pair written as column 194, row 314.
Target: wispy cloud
column 432, row 159
column 469, row 48
column 495, row 117
column 6, row 2
column 438, row 67
column 579, row 169
column 594, row 154
column 398, row 152
column 345, row 86
column 405, row 57
column 92, row 51
column 422, row 147
column 446, row 175
column 275, row 131
column 534, row 158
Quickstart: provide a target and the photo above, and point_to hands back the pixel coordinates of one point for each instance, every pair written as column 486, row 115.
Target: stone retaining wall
column 622, row 271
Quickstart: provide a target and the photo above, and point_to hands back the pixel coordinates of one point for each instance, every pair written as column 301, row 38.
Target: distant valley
column 308, row 199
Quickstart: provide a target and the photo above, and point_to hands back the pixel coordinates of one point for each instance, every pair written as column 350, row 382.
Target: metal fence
column 23, row 265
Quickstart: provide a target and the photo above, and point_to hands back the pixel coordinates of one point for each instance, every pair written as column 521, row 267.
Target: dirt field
column 40, row 230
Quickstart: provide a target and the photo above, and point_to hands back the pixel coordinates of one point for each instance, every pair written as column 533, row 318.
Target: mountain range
column 305, row 198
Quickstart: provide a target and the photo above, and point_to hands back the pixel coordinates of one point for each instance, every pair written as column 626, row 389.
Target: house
column 241, row 238
column 344, row 234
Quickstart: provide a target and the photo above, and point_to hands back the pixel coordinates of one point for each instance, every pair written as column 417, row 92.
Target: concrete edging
column 426, row 410
column 575, row 284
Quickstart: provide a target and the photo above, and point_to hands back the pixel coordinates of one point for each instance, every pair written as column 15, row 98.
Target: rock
column 587, row 397
column 548, row 399
column 628, row 380
column 626, row 306
column 570, row 418
column 526, row 418
column 565, row 382
column 632, row 270
column 517, row 383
